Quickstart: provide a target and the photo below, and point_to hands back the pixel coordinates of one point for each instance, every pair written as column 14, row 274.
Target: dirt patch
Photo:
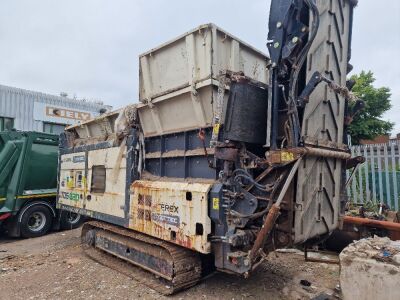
column 54, row 267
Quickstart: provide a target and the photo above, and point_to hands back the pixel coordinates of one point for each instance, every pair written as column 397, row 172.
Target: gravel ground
column 54, row 267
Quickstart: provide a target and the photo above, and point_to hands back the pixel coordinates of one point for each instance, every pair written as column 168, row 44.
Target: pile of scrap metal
column 365, row 220
column 374, row 211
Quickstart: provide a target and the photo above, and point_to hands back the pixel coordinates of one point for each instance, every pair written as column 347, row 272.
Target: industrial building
column 34, row 111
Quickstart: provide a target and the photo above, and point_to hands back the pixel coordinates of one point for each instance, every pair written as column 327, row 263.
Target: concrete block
column 370, row 269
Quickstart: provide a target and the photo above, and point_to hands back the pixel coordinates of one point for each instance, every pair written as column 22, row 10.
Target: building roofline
column 89, row 104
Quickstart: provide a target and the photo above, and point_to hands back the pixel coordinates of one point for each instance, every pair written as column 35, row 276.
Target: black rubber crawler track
column 186, row 263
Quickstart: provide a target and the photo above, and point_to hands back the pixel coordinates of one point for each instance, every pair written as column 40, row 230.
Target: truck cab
column 28, row 185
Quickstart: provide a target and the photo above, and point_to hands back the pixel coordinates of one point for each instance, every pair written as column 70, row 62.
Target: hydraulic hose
column 296, row 71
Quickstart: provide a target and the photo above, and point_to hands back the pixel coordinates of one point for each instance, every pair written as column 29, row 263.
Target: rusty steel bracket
column 354, row 163
column 315, row 80
column 240, row 77
column 202, row 136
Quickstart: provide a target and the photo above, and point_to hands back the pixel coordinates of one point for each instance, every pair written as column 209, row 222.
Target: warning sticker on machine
column 215, row 203
column 216, row 128
column 287, row 156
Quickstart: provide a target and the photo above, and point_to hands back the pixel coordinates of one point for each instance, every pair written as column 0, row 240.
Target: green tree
column 368, row 123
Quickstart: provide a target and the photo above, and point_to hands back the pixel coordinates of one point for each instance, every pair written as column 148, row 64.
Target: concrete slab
column 370, row 269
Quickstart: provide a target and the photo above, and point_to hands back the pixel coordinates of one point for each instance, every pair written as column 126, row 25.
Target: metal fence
column 378, row 179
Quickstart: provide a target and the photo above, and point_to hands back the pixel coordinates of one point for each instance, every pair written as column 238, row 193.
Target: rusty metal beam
column 372, row 223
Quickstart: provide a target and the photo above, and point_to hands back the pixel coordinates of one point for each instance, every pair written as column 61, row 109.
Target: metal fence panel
column 394, row 172
column 378, row 180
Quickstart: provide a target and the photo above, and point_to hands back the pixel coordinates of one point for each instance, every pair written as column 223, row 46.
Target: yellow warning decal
column 216, row 128
column 215, row 203
column 287, row 156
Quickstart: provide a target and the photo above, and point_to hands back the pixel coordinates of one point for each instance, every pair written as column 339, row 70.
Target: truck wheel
column 70, row 220
column 36, row 221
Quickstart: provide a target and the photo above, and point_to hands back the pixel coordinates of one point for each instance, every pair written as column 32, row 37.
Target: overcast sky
column 90, row 48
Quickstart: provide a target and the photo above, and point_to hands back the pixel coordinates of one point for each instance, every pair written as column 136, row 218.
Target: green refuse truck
column 28, row 185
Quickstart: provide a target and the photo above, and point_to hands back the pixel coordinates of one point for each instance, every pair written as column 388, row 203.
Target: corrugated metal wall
column 19, row 104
